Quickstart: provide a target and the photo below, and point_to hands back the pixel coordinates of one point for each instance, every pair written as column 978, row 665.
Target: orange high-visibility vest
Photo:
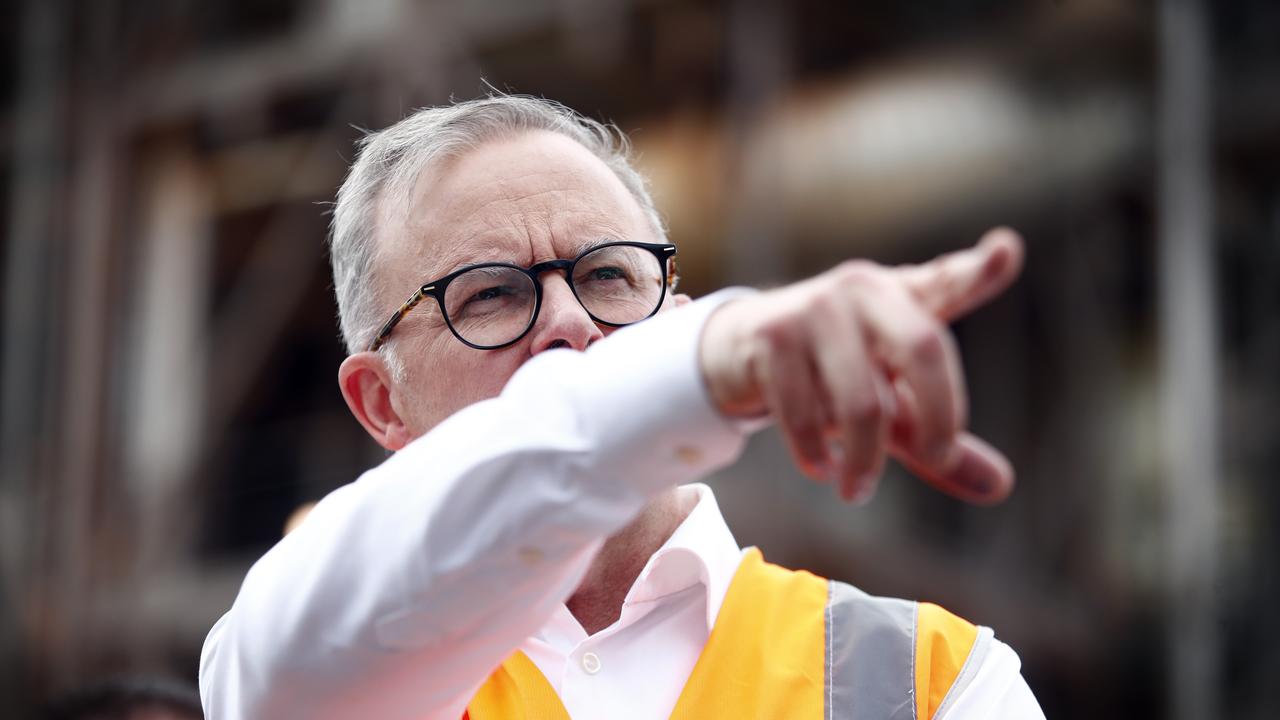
column 788, row 644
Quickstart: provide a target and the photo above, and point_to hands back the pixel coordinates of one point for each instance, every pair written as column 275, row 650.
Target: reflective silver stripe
column 871, row 645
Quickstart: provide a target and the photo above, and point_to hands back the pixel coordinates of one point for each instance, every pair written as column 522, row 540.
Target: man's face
column 535, row 197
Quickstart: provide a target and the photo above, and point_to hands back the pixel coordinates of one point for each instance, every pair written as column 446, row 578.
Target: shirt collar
column 702, row 550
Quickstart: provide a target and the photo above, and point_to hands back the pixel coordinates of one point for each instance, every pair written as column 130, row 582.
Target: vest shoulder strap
column 949, row 650
column 764, row 657
column 889, row 658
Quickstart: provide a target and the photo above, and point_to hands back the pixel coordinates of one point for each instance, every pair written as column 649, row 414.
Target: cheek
column 456, row 379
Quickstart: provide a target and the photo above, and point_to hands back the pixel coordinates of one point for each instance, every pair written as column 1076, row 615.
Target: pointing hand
column 857, row 364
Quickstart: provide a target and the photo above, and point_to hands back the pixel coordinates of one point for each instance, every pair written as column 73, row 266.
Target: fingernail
column 831, row 464
column 865, row 490
column 980, row 484
column 973, row 476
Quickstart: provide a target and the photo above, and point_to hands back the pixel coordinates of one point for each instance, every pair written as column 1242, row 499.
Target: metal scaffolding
column 1188, row 312
column 169, row 345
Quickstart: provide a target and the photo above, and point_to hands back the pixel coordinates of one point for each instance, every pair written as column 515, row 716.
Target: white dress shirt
column 402, row 591
column 637, row 667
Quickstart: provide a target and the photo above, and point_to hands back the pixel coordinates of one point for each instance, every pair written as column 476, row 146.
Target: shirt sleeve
column 997, row 690
column 402, row 591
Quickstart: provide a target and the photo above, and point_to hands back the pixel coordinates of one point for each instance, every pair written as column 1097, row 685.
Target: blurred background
column 169, row 348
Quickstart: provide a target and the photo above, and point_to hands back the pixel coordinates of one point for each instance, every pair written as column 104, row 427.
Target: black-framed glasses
column 492, row 305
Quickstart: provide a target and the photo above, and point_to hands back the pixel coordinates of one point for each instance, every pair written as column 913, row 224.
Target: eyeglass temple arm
column 673, row 270
column 408, row 305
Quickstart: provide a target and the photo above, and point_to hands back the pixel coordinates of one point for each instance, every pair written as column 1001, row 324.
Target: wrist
column 724, row 360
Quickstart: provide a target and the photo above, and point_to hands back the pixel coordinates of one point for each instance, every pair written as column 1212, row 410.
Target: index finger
column 955, row 284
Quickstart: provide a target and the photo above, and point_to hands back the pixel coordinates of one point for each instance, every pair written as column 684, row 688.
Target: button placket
column 688, row 455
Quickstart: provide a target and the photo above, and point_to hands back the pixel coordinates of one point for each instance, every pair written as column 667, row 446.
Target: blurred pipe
column 1188, row 342
column 758, row 55
column 335, row 39
column 30, row 302
column 916, row 149
column 82, row 470
column 166, row 363
column 271, row 285
column 903, row 152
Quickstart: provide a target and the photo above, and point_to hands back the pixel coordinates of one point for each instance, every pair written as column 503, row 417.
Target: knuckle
column 857, row 271
column 927, row 346
column 823, row 303
column 778, row 332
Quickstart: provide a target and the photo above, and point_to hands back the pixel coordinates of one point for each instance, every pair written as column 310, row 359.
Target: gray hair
column 391, row 160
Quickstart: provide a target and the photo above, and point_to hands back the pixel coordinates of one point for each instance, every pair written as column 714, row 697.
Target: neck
column 597, row 603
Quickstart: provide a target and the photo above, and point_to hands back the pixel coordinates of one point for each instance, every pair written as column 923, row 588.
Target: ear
column 366, row 385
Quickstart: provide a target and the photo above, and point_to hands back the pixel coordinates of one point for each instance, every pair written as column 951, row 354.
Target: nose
column 562, row 321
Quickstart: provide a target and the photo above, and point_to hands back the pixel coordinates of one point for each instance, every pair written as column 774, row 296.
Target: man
column 531, row 548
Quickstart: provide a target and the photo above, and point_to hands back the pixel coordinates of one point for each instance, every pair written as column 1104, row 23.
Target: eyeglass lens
column 617, row 284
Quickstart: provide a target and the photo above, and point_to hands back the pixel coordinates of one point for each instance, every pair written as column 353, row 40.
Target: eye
column 491, row 293
column 607, row 273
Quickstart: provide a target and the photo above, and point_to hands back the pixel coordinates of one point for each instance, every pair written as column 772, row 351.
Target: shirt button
column 529, row 555
column 688, row 455
column 591, row 663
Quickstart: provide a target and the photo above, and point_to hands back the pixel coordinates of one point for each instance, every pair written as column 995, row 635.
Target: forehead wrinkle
column 465, row 250
column 466, row 223
column 505, row 236
column 466, row 211
column 476, row 196
column 446, row 248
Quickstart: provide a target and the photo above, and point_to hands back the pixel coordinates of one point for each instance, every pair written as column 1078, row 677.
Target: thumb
column 979, row 474
column 957, row 283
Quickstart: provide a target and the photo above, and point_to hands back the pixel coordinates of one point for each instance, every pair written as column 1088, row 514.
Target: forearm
column 402, row 591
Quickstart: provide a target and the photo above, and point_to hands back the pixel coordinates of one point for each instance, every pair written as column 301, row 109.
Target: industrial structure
column 169, row 348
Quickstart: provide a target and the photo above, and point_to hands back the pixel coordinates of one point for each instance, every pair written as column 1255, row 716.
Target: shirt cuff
column 651, row 375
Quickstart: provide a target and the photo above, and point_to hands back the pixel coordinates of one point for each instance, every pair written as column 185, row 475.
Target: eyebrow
column 577, row 250
column 595, row 242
